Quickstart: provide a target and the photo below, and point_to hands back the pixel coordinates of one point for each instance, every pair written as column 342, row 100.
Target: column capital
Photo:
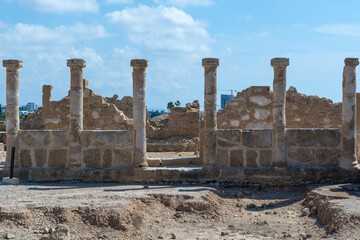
column 76, row 63
column 210, row 62
column 12, row 63
column 139, row 63
column 351, row 61
column 279, row 62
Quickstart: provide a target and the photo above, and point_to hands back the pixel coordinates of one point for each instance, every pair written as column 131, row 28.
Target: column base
column 12, row 181
column 348, row 163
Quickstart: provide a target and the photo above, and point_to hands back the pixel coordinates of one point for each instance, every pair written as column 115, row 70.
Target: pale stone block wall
column 244, row 148
column 107, row 149
column 43, row 149
column 313, row 147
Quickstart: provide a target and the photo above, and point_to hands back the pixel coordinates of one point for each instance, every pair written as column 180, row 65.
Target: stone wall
column 107, row 149
column 313, row 147
column 252, row 109
column 243, row 148
column 43, row 149
column 304, row 147
column 182, row 121
column 100, row 149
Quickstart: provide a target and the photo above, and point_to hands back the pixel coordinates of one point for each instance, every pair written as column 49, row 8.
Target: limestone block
column 327, row 157
column 245, row 117
column 86, row 138
column 107, row 158
column 260, row 100
column 92, row 158
column 222, row 158
column 231, row 135
column 251, row 157
column 301, row 138
column 328, row 137
column 57, row 158
column 59, row 139
column 259, row 125
column 122, row 158
column 265, row 158
column 34, row 138
column 234, row 123
column 112, row 138
column 25, row 158
column 257, row 138
column 261, row 114
column 40, row 157
column 225, row 144
column 236, row 158
column 300, row 156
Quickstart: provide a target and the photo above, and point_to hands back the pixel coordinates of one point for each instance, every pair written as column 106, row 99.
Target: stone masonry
column 269, row 152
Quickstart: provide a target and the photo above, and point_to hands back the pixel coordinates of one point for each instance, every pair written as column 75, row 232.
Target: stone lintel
column 210, row 62
column 12, row 63
column 351, row 61
column 139, row 63
column 76, row 63
column 279, row 62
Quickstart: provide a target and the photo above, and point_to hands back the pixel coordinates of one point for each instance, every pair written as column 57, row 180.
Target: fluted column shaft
column 279, row 116
column 76, row 111
column 210, row 125
column 139, row 111
column 348, row 133
column 12, row 108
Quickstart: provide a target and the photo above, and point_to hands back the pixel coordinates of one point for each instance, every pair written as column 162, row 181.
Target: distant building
column 225, row 99
column 3, row 108
column 31, row 107
column 23, row 113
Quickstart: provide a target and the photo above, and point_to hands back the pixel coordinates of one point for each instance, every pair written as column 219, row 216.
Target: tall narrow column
column 279, row 116
column 12, row 107
column 139, row 111
column 46, row 101
column 76, row 111
column 210, row 125
column 348, row 133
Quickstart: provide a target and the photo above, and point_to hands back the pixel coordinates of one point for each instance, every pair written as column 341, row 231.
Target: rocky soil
column 113, row 211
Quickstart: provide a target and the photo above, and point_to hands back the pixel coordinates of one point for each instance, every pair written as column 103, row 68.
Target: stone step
column 165, row 162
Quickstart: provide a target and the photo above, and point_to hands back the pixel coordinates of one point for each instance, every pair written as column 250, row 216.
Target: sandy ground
column 113, row 211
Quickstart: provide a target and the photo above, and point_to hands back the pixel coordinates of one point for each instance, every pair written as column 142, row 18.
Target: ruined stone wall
column 100, row 149
column 182, row 121
column 252, row 109
column 313, row 147
column 107, row 149
column 99, row 112
column 304, row 147
column 243, row 148
column 43, row 149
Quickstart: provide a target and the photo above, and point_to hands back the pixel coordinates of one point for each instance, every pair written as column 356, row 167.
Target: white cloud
column 119, row 1
column 63, row 6
column 340, row 29
column 185, row 3
column 23, row 35
column 162, row 28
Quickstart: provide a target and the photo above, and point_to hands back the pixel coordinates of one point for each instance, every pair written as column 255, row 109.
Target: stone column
column 12, row 108
column 210, row 104
column 139, row 111
column 76, row 111
column 279, row 116
column 348, row 133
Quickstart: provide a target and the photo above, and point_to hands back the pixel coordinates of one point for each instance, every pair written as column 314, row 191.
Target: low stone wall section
column 244, row 148
column 313, row 147
column 107, row 149
column 43, row 149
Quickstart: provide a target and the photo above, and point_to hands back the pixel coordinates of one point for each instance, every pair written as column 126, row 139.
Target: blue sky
column 174, row 35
